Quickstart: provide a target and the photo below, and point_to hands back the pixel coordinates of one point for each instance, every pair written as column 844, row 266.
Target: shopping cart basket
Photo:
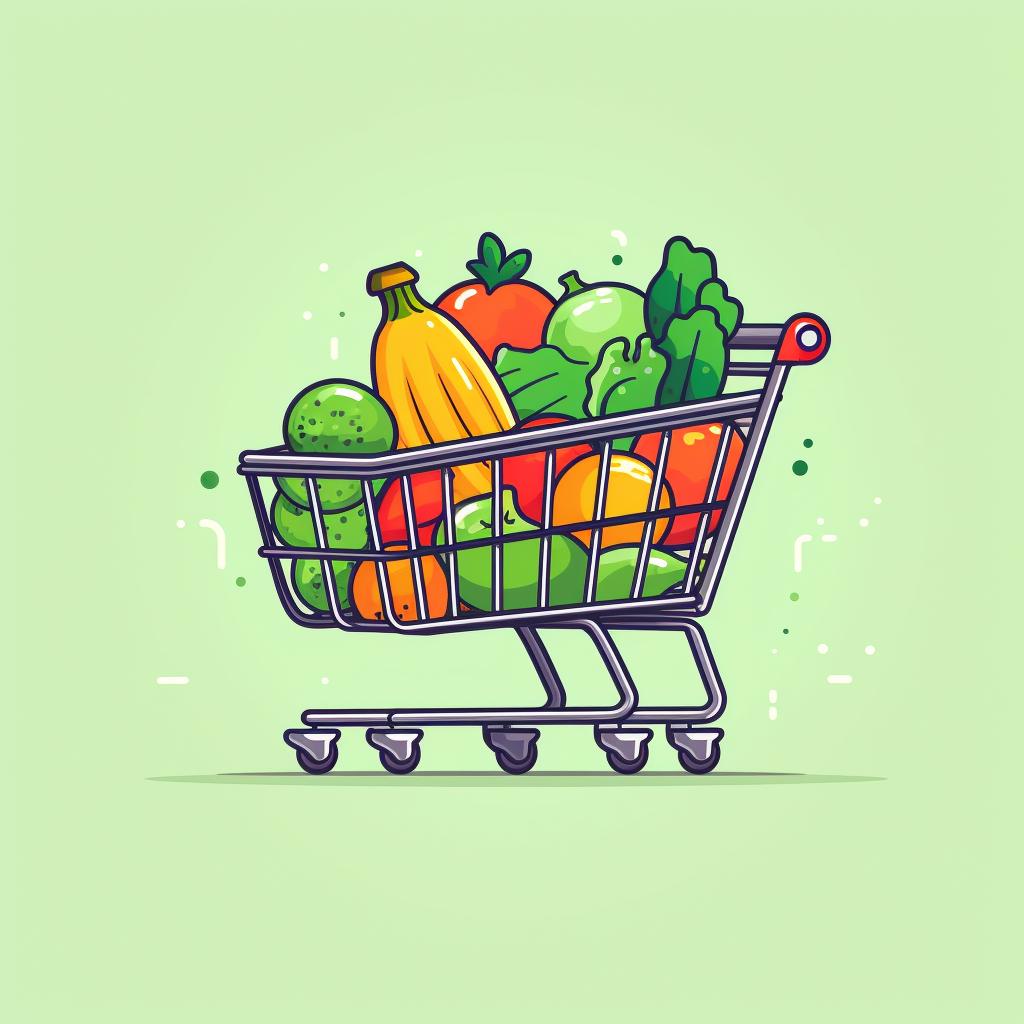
column 621, row 729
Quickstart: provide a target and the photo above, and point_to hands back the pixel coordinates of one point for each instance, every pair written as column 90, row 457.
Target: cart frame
column 621, row 729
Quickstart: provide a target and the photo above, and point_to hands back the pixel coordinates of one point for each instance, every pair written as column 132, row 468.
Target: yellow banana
column 434, row 379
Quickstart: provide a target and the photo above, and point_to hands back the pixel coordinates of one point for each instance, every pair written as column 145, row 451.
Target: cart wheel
column 626, row 749
column 700, row 767
column 308, row 764
column 698, row 749
column 516, row 765
column 400, row 766
column 515, row 749
column 625, row 766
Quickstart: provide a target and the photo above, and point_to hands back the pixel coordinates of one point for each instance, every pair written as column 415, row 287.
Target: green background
column 180, row 176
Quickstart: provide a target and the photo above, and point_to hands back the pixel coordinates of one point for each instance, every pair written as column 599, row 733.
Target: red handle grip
column 805, row 339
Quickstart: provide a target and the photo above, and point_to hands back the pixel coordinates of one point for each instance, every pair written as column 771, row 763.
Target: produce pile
column 498, row 353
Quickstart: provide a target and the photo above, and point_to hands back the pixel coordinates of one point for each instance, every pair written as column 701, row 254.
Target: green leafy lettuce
column 691, row 316
column 695, row 347
column 627, row 377
column 542, row 381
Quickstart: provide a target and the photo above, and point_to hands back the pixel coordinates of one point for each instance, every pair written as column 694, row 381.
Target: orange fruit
column 366, row 595
column 629, row 490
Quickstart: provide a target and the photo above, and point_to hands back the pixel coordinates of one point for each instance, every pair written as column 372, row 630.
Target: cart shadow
column 541, row 780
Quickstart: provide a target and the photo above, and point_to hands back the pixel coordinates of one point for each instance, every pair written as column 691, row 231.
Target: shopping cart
column 622, row 729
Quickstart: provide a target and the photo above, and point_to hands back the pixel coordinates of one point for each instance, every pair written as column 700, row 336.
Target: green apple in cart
column 346, row 529
column 588, row 316
column 474, row 520
column 308, row 577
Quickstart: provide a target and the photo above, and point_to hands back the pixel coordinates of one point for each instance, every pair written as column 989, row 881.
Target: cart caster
column 515, row 750
column 625, row 749
column 399, row 749
column 316, row 750
column 699, row 751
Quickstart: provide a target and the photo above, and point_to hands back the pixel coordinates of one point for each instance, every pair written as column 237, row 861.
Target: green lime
column 294, row 525
column 339, row 417
column 307, row 575
column 335, row 495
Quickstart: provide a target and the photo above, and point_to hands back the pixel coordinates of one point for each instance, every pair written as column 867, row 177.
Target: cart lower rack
column 739, row 419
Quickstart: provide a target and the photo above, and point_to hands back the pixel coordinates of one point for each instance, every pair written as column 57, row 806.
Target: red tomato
column 691, row 455
column 428, row 504
column 498, row 306
column 513, row 313
column 526, row 472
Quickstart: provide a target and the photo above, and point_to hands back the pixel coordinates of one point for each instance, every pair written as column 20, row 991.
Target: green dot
column 800, row 467
column 794, row 596
column 786, row 632
column 240, row 581
column 341, row 313
column 617, row 259
column 808, row 443
column 209, row 479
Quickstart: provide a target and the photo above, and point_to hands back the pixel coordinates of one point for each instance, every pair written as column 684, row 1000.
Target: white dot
column 307, row 315
column 324, row 268
column 418, row 252
column 821, row 520
column 773, row 696
column 869, row 650
column 180, row 524
column 324, row 680
column 775, row 650
column 863, row 522
column 773, row 713
column 823, row 648
column 878, row 501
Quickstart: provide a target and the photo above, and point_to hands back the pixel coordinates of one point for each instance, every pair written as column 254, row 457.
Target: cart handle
column 805, row 339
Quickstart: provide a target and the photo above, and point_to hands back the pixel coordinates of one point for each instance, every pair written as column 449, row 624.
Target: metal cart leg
column 697, row 748
column 543, row 664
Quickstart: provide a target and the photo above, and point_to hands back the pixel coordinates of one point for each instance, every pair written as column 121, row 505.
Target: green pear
column 521, row 560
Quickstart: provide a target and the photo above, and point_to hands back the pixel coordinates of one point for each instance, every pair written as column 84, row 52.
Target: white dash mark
column 222, row 541
column 307, row 315
column 878, row 501
column 324, row 268
column 821, row 520
column 798, row 554
column 620, row 237
column 418, row 252
column 334, row 348
column 324, row 680
column 823, row 648
column 180, row 524
column 773, row 713
column 171, row 680
column 838, row 679
column 829, row 538
column 869, row 650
